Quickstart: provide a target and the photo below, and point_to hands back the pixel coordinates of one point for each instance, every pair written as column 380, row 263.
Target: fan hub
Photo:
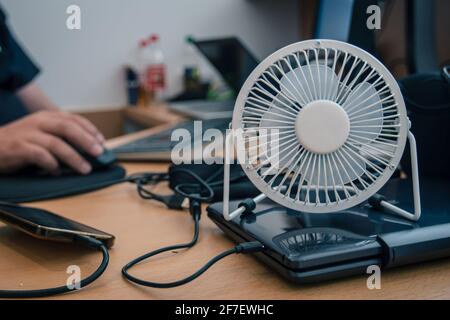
column 322, row 126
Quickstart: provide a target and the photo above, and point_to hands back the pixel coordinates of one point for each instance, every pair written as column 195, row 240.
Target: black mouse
column 101, row 162
column 106, row 159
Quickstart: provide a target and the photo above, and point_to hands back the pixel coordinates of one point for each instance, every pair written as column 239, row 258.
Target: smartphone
column 46, row 225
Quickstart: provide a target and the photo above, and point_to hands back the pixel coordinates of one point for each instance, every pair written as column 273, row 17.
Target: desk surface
column 141, row 226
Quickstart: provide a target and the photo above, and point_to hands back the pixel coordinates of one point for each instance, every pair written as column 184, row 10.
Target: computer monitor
column 334, row 19
column 231, row 58
column 345, row 20
column 421, row 35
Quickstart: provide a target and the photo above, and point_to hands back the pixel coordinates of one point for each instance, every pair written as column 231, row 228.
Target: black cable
column 200, row 192
column 248, row 247
column 196, row 188
column 84, row 240
column 150, row 179
column 199, row 188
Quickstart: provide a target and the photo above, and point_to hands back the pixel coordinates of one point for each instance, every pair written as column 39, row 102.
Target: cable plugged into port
column 201, row 192
column 244, row 248
column 249, row 247
column 195, row 210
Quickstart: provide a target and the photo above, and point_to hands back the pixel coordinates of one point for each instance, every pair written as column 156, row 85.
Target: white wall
column 83, row 69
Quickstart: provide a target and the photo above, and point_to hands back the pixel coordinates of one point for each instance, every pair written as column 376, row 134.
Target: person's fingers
column 12, row 161
column 37, row 155
column 63, row 152
column 88, row 126
column 75, row 134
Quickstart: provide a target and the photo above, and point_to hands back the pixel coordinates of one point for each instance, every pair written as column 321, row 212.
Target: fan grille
column 272, row 100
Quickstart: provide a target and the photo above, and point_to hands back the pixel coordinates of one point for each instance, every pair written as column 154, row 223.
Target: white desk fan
column 341, row 127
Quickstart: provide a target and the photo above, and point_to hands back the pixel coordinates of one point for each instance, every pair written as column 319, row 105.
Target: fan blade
column 376, row 150
column 369, row 122
column 309, row 83
column 277, row 139
column 341, row 168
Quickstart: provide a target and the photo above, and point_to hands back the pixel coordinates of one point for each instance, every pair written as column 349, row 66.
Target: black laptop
column 306, row 248
column 234, row 62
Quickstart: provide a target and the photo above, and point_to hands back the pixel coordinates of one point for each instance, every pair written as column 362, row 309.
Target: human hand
column 44, row 139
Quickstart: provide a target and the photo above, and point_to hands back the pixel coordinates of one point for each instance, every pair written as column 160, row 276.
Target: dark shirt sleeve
column 16, row 68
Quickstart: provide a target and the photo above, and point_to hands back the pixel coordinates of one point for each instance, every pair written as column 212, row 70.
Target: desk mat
column 35, row 187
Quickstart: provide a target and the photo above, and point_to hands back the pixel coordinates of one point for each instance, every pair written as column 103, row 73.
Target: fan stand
column 375, row 200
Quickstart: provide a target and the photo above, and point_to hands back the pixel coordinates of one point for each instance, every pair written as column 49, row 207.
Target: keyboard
column 202, row 109
column 158, row 146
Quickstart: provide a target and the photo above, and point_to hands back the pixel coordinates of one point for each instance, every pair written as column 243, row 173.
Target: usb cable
column 83, row 240
column 195, row 208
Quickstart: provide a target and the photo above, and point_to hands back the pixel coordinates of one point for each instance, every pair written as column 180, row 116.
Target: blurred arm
column 34, row 98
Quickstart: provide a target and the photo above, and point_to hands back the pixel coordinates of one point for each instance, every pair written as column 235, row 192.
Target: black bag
column 212, row 174
column 427, row 98
column 202, row 181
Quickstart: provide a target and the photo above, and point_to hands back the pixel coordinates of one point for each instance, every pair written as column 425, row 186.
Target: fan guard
column 322, row 126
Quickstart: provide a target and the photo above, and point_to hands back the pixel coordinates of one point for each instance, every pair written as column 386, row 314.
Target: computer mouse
column 106, row 159
column 103, row 161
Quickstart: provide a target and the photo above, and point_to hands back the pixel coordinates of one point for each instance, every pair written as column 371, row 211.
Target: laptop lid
column 302, row 241
column 231, row 58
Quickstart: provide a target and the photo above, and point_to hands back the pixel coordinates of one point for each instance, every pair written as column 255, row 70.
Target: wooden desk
column 152, row 115
column 141, row 226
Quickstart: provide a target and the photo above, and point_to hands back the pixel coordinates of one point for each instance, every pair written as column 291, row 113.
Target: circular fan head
column 322, row 126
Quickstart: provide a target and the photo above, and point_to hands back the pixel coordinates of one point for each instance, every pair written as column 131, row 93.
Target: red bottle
column 154, row 69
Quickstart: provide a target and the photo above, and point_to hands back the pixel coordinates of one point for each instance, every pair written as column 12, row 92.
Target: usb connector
column 249, row 247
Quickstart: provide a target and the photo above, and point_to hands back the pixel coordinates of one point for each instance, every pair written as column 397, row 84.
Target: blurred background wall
column 83, row 69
